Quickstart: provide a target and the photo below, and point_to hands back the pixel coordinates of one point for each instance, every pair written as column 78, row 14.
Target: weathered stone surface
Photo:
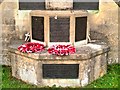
column 84, row 79
column 103, row 70
column 7, row 23
column 8, row 19
column 59, row 4
column 103, row 59
column 104, row 27
column 6, row 60
column 91, row 64
column 22, row 25
column 10, row 5
column 24, row 68
column 28, row 67
column 14, row 65
column 82, row 52
column 97, row 67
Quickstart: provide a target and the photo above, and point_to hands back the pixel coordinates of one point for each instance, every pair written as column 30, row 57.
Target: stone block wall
column 7, row 18
column 14, row 25
column 22, row 25
column 104, row 27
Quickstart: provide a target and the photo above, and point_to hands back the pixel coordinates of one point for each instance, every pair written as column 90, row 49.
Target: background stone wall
column 22, row 25
column 15, row 23
column 7, row 17
column 104, row 27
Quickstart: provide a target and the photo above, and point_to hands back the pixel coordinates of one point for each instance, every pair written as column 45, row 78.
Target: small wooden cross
column 27, row 37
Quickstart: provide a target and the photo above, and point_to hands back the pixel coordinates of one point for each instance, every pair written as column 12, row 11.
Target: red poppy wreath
column 31, row 47
column 62, row 50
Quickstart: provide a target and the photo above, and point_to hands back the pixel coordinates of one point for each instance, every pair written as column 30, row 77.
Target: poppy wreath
column 31, row 47
column 62, row 50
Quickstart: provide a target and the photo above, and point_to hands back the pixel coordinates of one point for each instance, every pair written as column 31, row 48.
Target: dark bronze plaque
column 80, row 28
column 59, row 29
column 86, row 4
column 38, row 28
column 64, row 71
column 31, row 5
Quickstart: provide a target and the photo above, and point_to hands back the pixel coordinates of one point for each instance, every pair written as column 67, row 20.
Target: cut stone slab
column 59, row 4
column 90, row 58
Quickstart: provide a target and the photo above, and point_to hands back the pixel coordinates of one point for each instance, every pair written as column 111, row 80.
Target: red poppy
column 31, row 47
column 61, row 50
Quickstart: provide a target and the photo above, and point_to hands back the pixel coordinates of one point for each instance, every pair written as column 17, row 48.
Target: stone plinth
column 91, row 60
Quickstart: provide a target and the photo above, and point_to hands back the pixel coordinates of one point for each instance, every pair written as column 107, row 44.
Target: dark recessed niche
column 64, row 71
column 38, row 28
column 86, row 5
column 80, row 28
column 59, row 29
column 31, row 5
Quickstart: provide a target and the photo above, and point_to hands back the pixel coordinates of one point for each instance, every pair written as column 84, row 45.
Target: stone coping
column 83, row 52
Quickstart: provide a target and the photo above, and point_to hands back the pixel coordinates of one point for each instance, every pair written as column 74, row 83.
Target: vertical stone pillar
column 22, row 23
column 8, row 11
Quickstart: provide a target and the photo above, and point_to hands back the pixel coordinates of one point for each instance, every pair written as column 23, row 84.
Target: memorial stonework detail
column 76, row 70
column 59, row 29
column 67, row 22
column 80, row 29
column 59, row 4
column 38, row 28
column 60, row 71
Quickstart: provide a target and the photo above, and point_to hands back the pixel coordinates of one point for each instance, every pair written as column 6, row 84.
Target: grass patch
column 0, row 77
column 110, row 80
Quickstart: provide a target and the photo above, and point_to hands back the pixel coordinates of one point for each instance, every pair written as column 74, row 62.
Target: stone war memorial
column 66, row 43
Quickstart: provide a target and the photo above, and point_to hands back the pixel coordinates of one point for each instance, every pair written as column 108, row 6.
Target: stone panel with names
column 59, row 29
column 64, row 71
column 80, row 28
column 85, row 4
column 38, row 28
column 32, row 5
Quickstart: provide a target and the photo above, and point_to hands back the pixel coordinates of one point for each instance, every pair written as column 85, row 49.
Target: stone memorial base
column 76, row 70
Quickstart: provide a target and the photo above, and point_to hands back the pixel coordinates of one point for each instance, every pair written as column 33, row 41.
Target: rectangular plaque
column 80, row 28
column 62, row 71
column 31, row 5
column 59, row 29
column 86, row 4
column 38, row 28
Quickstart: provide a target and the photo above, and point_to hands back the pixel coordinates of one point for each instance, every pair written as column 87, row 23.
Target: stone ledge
column 83, row 52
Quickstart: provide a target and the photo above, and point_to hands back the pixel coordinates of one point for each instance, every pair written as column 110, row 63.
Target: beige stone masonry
column 59, row 4
column 71, row 14
column 91, row 58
